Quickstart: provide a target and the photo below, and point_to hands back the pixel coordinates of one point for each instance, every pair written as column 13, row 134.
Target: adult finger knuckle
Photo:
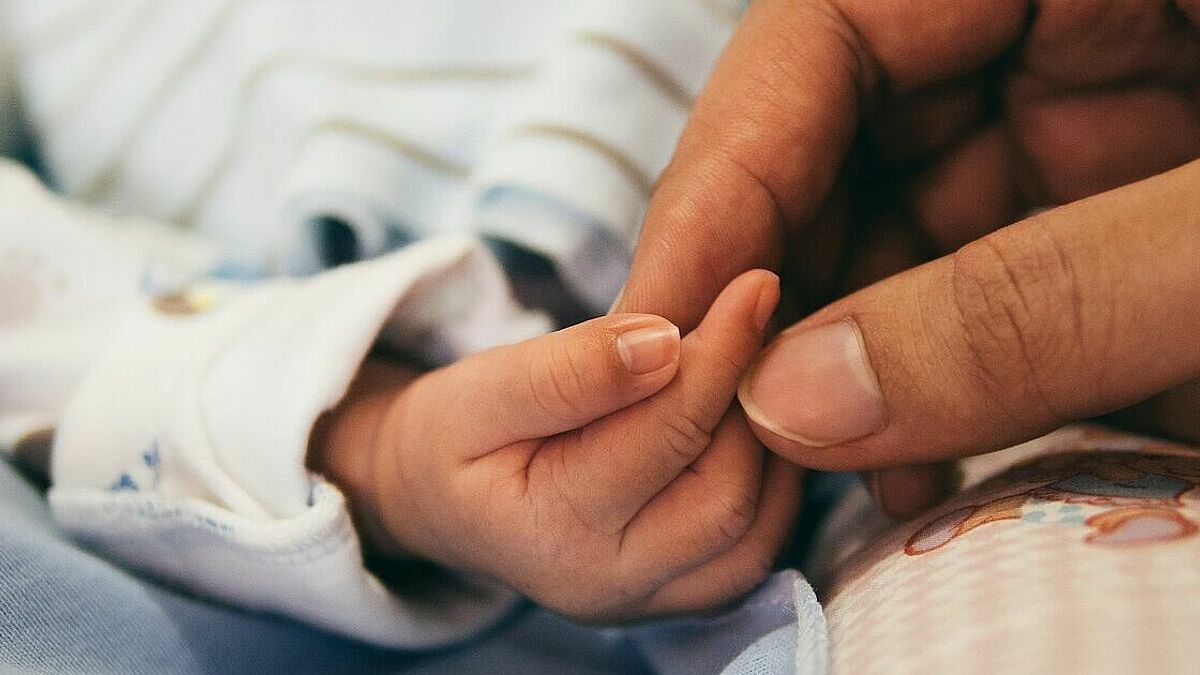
column 1020, row 312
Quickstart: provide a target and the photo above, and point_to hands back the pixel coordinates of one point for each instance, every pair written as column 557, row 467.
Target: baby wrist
column 345, row 444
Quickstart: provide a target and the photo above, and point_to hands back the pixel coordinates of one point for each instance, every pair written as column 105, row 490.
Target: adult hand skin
column 841, row 141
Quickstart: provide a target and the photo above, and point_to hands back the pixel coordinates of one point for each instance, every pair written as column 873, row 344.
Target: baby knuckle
column 592, row 602
column 559, row 385
column 566, row 604
column 576, row 604
column 726, row 356
column 630, row 585
column 752, row 573
column 752, row 568
column 568, row 591
column 1019, row 309
column 733, row 512
column 684, row 435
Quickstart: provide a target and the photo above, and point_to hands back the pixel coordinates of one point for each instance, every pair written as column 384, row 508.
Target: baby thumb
column 557, row 382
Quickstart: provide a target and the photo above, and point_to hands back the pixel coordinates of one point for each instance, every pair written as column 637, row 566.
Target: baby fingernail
column 815, row 387
column 768, row 298
column 645, row 350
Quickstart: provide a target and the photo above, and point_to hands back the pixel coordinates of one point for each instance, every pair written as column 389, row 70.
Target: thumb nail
column 815, row 387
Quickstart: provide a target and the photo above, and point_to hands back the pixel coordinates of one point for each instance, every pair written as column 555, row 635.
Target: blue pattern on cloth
column 151, row 459
column 1145, row 485
column 52, row 591
column 124, row 482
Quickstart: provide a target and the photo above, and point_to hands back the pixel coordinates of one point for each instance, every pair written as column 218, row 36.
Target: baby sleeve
column 181, row 419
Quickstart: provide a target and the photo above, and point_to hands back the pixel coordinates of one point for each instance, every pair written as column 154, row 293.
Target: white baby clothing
column 210, row 147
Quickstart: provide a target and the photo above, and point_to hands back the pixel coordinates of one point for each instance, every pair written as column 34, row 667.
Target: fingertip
column 787, row 448
column 768, row 298
column 803, row 453
column 753, row 294
column 563, row 380
column 907, row 491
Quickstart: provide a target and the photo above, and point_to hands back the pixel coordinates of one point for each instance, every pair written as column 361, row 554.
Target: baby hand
column 598, row 470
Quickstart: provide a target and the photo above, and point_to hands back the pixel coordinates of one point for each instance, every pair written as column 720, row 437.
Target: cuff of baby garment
column 182, row 453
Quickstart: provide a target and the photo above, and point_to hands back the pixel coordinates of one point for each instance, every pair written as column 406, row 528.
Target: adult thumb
column 1069, row 314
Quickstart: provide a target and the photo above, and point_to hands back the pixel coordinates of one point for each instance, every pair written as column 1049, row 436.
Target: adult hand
column 838, row 140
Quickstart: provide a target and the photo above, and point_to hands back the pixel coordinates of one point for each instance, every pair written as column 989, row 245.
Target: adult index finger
column 768, row 134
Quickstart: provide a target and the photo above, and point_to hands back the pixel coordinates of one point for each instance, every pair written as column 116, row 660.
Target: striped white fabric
column 270, row 137
column 252, row 120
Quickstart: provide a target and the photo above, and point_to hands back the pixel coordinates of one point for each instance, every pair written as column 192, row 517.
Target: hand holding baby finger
column 672, row 481
column 563, row 443
column 556, row 383
column 1072, row 313
column 513, row 398
column 616, row 464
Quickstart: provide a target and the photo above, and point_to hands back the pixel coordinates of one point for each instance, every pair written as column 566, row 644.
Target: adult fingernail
column 815, row 387
column 647, row 349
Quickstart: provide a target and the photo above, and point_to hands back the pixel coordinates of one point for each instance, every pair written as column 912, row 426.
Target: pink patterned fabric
column 1077, row 553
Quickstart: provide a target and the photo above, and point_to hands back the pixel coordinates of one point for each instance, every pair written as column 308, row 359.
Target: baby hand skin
column 599, row 470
